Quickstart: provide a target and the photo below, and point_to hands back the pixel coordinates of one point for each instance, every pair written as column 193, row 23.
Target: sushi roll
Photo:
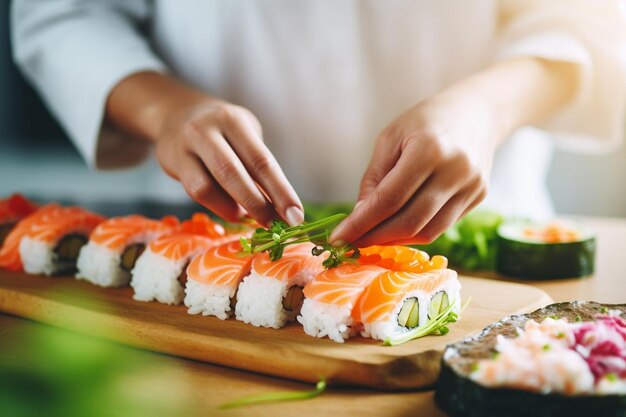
column 10, row 252
column 398, row 301
column 272, row 294
column 52, row 240
column 566, row 359
column 12, row 210
column 536, row 251
column 114, row 247
column 331, row 297
column 159, row 273
column 213, row 279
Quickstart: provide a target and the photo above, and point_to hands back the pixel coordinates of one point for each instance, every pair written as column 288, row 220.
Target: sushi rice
column 261, row 294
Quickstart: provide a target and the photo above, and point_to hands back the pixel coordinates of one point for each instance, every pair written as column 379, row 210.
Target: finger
column 224, row 165
column 393, row 192
column 205, row 190
column 385, row 155
column 436, row 192
column 246, row 141
column 449, row 214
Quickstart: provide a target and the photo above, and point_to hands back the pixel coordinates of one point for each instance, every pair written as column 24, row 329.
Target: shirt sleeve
column 74, row 52
column 590, row 33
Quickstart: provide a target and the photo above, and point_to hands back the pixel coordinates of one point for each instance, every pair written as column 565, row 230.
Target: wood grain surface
column 288, row 352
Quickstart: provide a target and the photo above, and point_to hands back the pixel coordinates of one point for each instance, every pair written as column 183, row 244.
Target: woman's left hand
column 429, row 167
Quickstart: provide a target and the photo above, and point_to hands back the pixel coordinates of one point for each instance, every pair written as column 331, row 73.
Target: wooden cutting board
column 288, row 352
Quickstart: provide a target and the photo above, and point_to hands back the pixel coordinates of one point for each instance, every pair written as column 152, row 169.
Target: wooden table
column 202, row 387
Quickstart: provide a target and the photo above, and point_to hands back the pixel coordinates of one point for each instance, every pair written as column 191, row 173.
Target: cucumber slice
column 438, row 303
column 525, row 258
column 414, row 316
column 405, row 311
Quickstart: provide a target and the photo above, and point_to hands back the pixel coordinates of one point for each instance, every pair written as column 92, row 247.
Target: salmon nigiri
column 115, row 245
column 398, row 301
column 330, row 298
column 272, row 294
column 12, row 210
column 52, row 238
column 10, row 251
column 213, row 279
column 159, row 273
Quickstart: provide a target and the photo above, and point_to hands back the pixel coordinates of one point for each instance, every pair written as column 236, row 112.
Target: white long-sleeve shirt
column 326, row 76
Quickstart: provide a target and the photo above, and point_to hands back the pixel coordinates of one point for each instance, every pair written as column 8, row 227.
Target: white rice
column 383, row 329
column 155, row 277
column 101, row 266
column 260, row 299
column 37, row 256
column 208, row 299
column 323, row 319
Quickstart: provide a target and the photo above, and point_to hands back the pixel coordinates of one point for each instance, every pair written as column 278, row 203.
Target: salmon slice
column 387, row 291
column 15, row 208
column 10, row 251
column 220, row 265
column 342, row 285
column 297, row 260
column 59, row 221
column 191, row 237
column 401, row 258
column 118, row 232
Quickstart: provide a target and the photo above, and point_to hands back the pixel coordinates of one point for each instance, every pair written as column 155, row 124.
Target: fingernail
column 339, row 243
column 294, row 216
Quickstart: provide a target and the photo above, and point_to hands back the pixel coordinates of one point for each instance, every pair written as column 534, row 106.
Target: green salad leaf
column 471, row 243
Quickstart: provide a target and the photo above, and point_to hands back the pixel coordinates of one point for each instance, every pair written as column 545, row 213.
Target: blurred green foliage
column 318, row 211
column 56, row 373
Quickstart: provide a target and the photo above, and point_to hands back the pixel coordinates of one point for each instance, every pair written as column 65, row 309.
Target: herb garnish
column 279, row 235
column 438, row 325
column 276, row 397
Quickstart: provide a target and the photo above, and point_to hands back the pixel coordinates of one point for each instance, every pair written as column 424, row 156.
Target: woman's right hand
column 214, row 148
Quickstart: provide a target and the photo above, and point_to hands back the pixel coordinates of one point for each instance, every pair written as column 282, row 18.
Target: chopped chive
column 560, row 335
column 604, row 310
column 276, row 397
column 474, row 367
column 546, row 347
column 611, row 377
column 578, row 318
column 432, row 326
column 555, row 317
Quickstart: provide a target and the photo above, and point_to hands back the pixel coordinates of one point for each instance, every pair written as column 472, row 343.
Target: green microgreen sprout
column 279, row 235
column 437, row 325
column 276, row 397
column 578, row 318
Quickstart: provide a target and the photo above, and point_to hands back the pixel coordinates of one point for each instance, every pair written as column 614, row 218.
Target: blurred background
column 37, row 159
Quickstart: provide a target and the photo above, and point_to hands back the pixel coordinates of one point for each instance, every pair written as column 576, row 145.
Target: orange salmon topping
column 220, row 265
column 401, row 258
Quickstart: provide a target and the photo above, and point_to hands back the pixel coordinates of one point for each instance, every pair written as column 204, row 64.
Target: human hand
column 215, row 149
column 429, row 167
